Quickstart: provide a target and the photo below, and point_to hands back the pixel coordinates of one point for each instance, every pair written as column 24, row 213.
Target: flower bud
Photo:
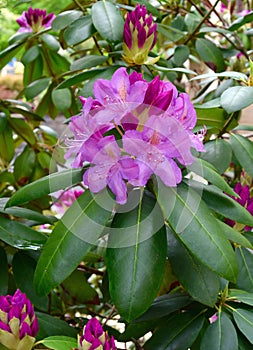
column 18, row 323
column 34, row 20
column 139, row 37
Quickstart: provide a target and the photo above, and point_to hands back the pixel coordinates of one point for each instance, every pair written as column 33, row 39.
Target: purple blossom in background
column 245, row 200
column 18, row 323
column 65, row 199
column 153, row 125
column 95, row 338
column 139, row 37
column 34, row 20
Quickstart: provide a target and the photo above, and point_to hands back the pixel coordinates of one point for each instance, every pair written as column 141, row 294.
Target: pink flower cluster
column 34, row 20
column 131, row 130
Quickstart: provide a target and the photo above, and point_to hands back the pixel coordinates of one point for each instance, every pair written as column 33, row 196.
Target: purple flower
column 109, row 168
column 34, row 20
column 94, row 337
column 65, row 199
column 139, row 37
column 18, row 323
column 245, row 200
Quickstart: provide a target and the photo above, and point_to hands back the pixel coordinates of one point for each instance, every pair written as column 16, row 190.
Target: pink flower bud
column 34, row 20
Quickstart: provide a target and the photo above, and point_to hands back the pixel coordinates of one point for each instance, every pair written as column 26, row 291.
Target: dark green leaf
column 243, row 150
column 18, row 37
column 181, row 54
column 33, row 71
column 201, row 283
column 243, row 343
column 220, row 335
column 50, row 41
column 108, row 21
column 79, row 30
column 73, row 236
column 65, row 18
column 22, row 129
column 236, row 98
column 30, row 55
column 239, row 22
column 88, row 62
column 7, row 54
column 214, row 117
column 6, row 145
column 4, row 272
column 178, row 332
column 191, row 219
column 46, row 185
column 79, row 78
column 210, row 54
column 36, row 87
column 218, row 153
column 20, row 236
column 138, row 238
column 62, row 99
column 244, row 320
column 24, row 166
column 49, row 326
column 234, row 235
column 59, row 342
column 245, row 265
column 29, row 214
column 242, row 296
column 23, row 267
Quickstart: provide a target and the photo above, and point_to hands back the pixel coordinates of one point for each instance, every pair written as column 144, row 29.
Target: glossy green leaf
column 178, row 332
column 243, row 150
column 7, row 54
column 53, row 326
column 244, row 320
column 200, row 282
column 243, row 343
column 4, row 272
column 23, row 267
column 73, row 236
column 234, row 235
column 62, row 99
column 108, row 20
column 33, row 70
column 18, row 37
column 239, row 22
column 192, row 220
column 6, row 145
column 242, row 296
column 245, row 265
column 30, row 55
column 138, row 238
column 65, row 18
column 220, row 335
column 210, row 54
column 51, row 42
column 181, row 54
column 79, row 78
column 88, row 62
column 79, row 30
column 164, row 305
column 218, row 153
column 58, row 63
column 236, row 98
column 29, row 214
column 36, row 87
column 22, row 129
column 46, row 185
column 228, row 74
column 20, row 236
column 211, row 117
column 208, row 172
column 24, row 166
column 59, row 342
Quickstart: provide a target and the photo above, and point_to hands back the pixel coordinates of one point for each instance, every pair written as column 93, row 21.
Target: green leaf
column 242, row 296
column 30, row 55
column 24, row 166
column 181, row 54
column 59, row 342
column 62, row 99
column 211, row 117
column 23, row 267
column 51, row 42
column 208, row 172
column 243, row 343
column 236, row 98
column 137, row 237
column 46, row 185
column 89, row 61
column 73, row 236
column 33, row 70
column 18, row 37
column 79, row 78
column 164, row 305
column 229, row 74
column 7, row 54
column 200, row 282
column 64, row 19
column 220, row 335
column 239, row 22
column 245, row 265
column 52, row 326
column 7, row 145
column 36, row 87
column 192, row 220
column 79, row 30
column 210, row 54
column 218, row 153
column 22, row 129
column 4, row 272
column 234, row 235
column 108, row 21
column 243, row 150
column 178, row 332
column 244, row 320
column 20, row 236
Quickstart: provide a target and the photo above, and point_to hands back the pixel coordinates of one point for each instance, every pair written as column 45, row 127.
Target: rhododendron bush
column 126, row 178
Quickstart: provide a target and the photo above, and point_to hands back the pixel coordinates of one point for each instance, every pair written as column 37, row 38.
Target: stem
column 229, row 120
